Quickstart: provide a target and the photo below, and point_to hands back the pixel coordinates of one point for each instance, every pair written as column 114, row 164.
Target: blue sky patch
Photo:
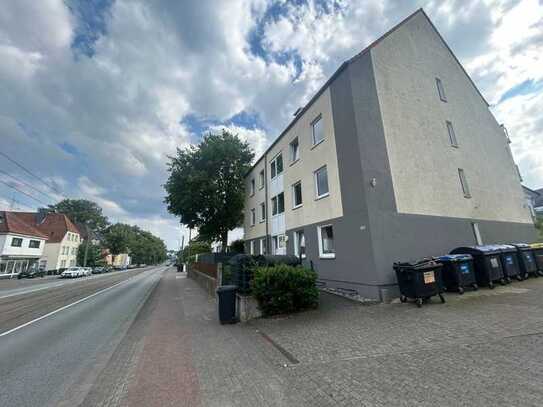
column 524, row 88
column 69, row 148
column 91, row 23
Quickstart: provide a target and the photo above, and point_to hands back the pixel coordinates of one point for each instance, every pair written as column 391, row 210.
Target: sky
column 95, row 95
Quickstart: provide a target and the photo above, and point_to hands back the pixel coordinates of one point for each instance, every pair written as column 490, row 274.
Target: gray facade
column 399, row 193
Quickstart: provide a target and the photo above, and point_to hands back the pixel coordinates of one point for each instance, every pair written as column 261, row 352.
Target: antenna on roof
column 297, row 112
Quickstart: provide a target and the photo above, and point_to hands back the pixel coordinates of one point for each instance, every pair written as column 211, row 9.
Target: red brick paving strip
column 165, row 375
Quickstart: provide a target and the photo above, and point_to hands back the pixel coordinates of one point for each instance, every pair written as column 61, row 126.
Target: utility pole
column 86, row 245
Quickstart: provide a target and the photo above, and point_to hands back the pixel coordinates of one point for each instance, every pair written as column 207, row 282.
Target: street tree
column 206, row 187
column 118, row 238
column 82, row 211
column 94, row 256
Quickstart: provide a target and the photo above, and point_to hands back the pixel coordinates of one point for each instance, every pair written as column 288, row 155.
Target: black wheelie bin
column 526, row 260
column 458, row 272
column 538, row 255
column 419, row 280
column 509, row 258
column 488, row 266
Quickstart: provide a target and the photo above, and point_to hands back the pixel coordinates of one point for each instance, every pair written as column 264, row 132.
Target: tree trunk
column 224, row 241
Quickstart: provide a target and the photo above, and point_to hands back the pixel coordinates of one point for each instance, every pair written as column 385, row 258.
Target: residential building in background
column 538, row 203
column 21, row 244
column 532, row 198
column 63, row 239
column 396, row 157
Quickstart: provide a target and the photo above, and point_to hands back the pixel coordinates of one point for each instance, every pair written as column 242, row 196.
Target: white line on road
column 66, row 306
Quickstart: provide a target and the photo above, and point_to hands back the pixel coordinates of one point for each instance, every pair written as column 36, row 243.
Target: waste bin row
column 468, row 267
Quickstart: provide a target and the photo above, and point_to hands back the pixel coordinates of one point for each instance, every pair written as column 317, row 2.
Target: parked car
column 71, row 272
column 87, row 271
column 31, row 273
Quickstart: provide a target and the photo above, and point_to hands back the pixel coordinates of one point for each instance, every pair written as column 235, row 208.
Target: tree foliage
column 237, row 246
column 82, row 211
column 206, row 184
column 94, row 255
column 195, row 247
column 142, row 246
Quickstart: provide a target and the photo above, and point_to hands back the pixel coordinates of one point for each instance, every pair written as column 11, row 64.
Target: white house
column 21, row 244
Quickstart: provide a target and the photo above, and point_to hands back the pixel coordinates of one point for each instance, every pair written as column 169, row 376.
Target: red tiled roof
column 13, row 222
column 54, row 226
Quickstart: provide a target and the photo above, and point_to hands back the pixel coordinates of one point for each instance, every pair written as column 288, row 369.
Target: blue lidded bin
column 487, row 262
column 458, row 272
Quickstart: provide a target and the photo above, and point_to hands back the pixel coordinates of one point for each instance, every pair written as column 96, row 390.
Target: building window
column 63, row 264
column 16, row 242
column 477, row 233
column 34, row 244
column 464, row 183
column 253, row 217
column 299, row 244
column 294, row 150
column 441, row 90
column 452, row 135
column 278, row 204
column 326, row 241
column 252, row 247
column 297, row 195
column 263, row 246
column 261, row 179
column 262, row 212
column 317, row 131
column 321, row 182
column 276, row 166
column 253, row 187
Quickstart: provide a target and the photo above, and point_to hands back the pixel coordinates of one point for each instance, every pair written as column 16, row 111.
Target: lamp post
column 86, row 245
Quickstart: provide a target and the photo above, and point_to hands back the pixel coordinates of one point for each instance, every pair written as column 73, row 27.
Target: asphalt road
column 55, row 341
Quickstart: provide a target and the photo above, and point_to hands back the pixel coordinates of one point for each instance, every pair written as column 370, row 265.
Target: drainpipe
column 266, row 201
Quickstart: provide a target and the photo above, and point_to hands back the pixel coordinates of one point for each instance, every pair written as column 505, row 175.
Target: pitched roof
column 354, row 58
column 54, row 225
column 13, row 222
column 539, row 199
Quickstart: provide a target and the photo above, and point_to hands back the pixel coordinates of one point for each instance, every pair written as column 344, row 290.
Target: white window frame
column 464, row 183
column 276, row 198
column 452, row 134
column 294, row 151
column 441, row 90
column 263, row 245
column 261, row 179
column 253, row 216
column 314, row 142
column 294, row 205
column 317, row 195
column 477, row 233
column 297, row 243
column 252, row 247
column 274, row 164
column 323, row 255
column 262, row 212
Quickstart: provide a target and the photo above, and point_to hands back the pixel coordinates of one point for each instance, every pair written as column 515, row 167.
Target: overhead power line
column 32, row 174
column 23, row 192
column 28, row 185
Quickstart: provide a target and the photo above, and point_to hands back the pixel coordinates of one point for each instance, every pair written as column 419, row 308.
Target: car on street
column 101, row 270
column 31, row 273
column 72, row 272
column 87, row 271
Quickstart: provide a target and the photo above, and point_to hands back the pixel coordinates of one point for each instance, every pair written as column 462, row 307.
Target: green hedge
column 284, row 289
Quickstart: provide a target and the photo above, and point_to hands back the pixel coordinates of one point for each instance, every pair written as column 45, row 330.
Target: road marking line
column 65, row 307
column 31, row 290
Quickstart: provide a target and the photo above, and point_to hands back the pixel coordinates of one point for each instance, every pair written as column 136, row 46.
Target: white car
column 71, row 272
column 87, row 271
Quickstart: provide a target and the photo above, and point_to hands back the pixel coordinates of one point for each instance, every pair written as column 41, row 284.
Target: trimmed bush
column 284, row 289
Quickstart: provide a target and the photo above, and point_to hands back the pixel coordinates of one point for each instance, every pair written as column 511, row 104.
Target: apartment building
column 396, row 157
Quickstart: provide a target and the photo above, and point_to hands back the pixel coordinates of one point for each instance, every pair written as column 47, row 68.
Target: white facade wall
column 24, row 251
column 423, row 163
column 62, row 254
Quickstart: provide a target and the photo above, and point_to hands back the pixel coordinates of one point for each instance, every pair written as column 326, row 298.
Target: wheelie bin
column 226, row 296
column 488, row 267
column 419, row 280
column 526, row 260
column 458, row 272
column 509, row 259
column 538, row 255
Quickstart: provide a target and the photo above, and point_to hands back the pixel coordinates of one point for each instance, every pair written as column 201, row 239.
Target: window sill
column 455, row 146
column 297, row 206
column 327, row 256
column 294, row 162
column 262, row 221
column 316, row 144
column 322, row 196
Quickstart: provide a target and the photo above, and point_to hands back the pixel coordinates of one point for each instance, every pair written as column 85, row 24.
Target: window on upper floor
column 253, row 217
column 464, row 183
column 252, row 187
column 452, row 135
column 317, row 132
column 261, row 179
column 278, row 204
column 297, row 195
column 262, row 212
column 276, row 165
column 294, row 150
column 321, row 182
column 34, row 244
column 441, row 90
column 326, row 241
column 16, row 242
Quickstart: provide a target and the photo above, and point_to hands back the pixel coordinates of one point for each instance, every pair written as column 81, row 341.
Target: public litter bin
column 487, row 262
column 509, row 259
column 458, row 272
column 226, row 296
column 538, row 255
column 526, row 260
column 419, row 280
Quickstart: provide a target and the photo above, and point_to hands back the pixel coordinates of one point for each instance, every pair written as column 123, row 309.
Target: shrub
column 284, row 289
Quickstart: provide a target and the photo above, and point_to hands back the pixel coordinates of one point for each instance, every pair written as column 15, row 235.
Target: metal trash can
column 488, row 266
column 419, row 280
column 226, row 296
column 526, row 260
column 509, row 259
column 538, row 255
column 458, row 272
